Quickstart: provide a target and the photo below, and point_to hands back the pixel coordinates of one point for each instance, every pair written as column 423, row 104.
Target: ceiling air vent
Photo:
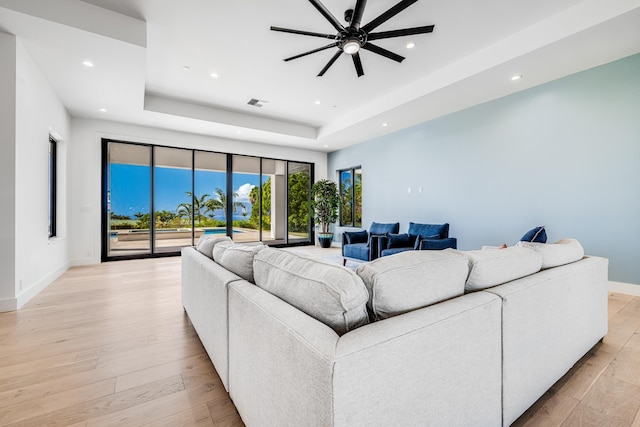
column 256, row 102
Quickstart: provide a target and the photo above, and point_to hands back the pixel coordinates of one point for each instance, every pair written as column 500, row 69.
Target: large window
column 52, row 185
column 351, row 197
column 159, row 199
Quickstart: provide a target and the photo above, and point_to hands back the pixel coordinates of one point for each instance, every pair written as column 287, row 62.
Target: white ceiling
column 139, row 48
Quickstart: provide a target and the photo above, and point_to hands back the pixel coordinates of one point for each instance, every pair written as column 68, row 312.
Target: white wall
column 39, row 112
column 7, row 170
column 85, row 171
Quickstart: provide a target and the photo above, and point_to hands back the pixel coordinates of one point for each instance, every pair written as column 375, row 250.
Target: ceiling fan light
column 351, row 47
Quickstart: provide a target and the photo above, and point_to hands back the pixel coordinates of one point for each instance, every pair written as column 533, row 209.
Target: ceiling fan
column 352, row 38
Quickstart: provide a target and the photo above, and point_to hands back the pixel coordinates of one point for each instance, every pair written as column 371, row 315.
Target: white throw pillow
column 329, row 293
column 208, row 241
column 562, row 252
column 237, row 257
column 493, row 267
column 411, row 280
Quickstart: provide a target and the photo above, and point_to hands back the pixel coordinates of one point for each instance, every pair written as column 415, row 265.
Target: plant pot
column 325, row 239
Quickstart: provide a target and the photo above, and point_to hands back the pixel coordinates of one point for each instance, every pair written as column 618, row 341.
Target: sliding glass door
column 128, row 184
column 172, row 200
column 299, row 195
column 157, row 200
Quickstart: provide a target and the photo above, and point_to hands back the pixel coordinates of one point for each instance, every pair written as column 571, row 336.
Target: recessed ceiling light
column 103, row 110
column 317, row 102
column 516, row 77
column 326, row 146
column 411, row 45
column 186, row 67
column 87, row 64
column 214, row 75
column 384, row 125
column 239, row 132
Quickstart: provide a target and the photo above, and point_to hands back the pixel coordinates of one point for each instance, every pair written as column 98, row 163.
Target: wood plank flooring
column 111, row 345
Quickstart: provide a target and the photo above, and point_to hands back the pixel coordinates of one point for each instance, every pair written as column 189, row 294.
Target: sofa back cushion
column 562, row 252
column 207, row 242
column 329, row 293
column 237, row 257
column 441, row 230
column 411, row 280
column 379, row 229
column 493, row 267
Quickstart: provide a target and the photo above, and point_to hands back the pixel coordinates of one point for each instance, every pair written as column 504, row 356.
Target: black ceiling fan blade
column 384, row 52
column 357, row 14
column 330, row 63
column 311, row 51
column 328, row 15
column 303, row 33
column 400, row 33
column 388, row 15
column 358, row 64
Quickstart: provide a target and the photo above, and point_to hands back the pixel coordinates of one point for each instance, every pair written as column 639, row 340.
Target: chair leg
column 344, row 262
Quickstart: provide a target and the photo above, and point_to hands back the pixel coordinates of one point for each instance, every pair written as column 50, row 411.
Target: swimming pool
column 219, row 231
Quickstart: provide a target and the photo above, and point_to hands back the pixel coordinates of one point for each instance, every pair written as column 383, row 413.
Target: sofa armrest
column 404, row 370
column 376, row 246
column 550, row 320
column 438, row 244
column 280, row 360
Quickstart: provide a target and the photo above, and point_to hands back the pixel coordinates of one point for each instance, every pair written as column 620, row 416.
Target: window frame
column 352, row 196
column 53, row 187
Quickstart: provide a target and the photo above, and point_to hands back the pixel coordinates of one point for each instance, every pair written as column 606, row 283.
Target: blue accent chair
column 364, row 245
column 420, row 237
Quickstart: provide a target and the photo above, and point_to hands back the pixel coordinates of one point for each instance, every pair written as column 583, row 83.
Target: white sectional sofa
column 420, row 338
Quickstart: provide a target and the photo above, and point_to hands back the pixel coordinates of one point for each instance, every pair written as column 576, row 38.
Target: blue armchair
column 419, row 237
column 365, row 245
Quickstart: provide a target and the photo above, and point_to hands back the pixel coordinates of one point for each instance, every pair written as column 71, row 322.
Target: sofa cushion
column 412, row 280
column 208, row 241
column 356, row 237
column 399, row 241
column 357, row 251
column 537, row 234
column 329, row 293
column 237, row 257
column 441, row 230
column 562, row 252
column 494, row 267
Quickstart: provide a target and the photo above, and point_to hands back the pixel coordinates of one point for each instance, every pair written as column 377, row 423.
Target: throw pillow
column 356, row 237
column 537, row 234
column 419, row 240
column 327, row 292
column 411, row 280
column 206, row 243
column 399, row 241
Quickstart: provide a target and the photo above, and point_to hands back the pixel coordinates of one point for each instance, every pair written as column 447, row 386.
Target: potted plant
column 325, row 201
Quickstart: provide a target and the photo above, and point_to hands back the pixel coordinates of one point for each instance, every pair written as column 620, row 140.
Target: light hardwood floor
column 111, row 345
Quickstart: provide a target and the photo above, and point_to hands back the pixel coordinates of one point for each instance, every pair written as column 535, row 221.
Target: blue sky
column 130, row 188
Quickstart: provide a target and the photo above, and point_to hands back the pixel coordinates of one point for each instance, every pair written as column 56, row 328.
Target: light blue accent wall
column 565, row 154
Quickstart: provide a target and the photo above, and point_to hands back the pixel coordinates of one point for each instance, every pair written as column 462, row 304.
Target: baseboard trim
column 39, row 286
column 79, row 262
column 624, row 288
column 8, row 305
